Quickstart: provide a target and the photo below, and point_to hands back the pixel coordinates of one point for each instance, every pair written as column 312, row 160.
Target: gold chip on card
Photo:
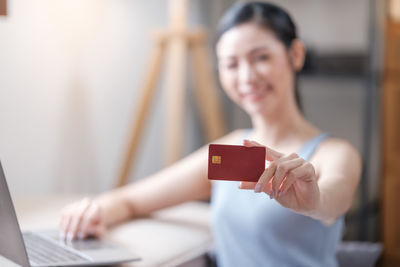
column 216, row 159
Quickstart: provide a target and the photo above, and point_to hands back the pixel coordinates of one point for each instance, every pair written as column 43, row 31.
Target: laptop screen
column 11, row 244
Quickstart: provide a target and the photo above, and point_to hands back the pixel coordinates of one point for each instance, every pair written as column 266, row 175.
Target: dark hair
column 266, row 15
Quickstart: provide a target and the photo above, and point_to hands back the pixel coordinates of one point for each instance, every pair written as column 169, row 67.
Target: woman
column 293, row 216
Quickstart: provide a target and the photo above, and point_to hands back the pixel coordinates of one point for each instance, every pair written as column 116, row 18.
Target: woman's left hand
column 289, row 179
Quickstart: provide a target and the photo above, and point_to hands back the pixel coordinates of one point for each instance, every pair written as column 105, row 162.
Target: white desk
column 171, row 237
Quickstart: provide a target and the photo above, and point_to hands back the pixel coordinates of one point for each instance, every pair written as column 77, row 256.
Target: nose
column 247, row 74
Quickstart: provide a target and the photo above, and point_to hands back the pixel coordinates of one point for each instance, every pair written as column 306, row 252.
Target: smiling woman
column 293, row 214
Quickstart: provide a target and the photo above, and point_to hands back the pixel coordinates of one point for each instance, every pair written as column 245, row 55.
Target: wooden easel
column 175, row 43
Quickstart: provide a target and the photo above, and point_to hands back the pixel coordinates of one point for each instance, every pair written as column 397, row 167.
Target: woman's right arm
column 183, row 181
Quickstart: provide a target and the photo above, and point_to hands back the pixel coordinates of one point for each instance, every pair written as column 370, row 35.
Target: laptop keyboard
column 43, row 252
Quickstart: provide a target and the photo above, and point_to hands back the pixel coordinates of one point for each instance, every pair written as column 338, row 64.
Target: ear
column 297, row 54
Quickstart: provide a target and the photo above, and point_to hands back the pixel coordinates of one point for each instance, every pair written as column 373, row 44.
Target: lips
column 255, row 95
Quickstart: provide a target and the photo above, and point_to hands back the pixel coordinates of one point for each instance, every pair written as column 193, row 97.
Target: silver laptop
column 45, row 248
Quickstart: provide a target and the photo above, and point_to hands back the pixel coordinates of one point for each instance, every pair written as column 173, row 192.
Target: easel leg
column 175, row 96
column 207, row 98
column 144, row 103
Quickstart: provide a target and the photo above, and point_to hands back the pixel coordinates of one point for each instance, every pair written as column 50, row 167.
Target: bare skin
column 257, row 72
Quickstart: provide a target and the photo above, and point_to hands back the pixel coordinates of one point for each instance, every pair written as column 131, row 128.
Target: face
column 255, row 70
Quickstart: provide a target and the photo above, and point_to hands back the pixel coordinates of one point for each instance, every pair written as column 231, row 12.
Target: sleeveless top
column 250, row 229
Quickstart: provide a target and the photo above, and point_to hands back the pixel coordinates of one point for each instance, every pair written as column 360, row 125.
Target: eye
column 262, row 57
column 229, row 65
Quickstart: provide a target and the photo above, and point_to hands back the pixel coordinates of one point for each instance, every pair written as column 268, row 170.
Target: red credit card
column 235, row 163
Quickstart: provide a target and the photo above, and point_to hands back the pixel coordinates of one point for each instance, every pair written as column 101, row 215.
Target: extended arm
column 322, row 188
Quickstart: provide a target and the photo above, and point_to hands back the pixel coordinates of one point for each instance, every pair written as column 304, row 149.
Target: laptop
column 42, row 249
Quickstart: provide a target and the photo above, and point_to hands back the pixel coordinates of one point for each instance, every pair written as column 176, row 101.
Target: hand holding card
column 235, row 163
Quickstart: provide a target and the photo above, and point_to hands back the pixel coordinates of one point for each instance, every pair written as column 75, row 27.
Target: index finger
column 247, row 185
column 270, row 154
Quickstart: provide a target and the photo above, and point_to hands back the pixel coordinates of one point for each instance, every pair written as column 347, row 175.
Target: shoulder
column 230, row 138
column 339, row 155
column 333, row 146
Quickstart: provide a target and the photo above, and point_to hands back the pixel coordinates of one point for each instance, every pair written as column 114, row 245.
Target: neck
column 286, row 127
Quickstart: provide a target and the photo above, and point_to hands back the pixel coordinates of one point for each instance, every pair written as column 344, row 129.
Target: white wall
column 70, row 73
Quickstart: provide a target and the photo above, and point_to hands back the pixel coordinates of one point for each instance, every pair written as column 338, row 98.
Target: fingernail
column 80, row 235
column 70, row 236
column 272, row 194
column 62, row 236
column 258, row 188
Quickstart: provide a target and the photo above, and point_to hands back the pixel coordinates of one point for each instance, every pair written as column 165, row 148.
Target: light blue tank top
column 251, row 229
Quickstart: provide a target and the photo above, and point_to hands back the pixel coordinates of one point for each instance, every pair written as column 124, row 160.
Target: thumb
column 270, row 154
column 96, row 230
column 250, row 143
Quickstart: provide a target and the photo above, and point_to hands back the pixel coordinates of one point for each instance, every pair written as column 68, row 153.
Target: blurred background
column 71, row 72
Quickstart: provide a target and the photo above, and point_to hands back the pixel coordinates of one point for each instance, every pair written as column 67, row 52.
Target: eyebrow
column 252, row 51
column 258, row 49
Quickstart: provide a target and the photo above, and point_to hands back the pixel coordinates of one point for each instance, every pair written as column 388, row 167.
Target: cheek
column 274, row 71
column 281, row 76
column 285, row 67
column 229, row 85
column 277, row 70
column 287, row 78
